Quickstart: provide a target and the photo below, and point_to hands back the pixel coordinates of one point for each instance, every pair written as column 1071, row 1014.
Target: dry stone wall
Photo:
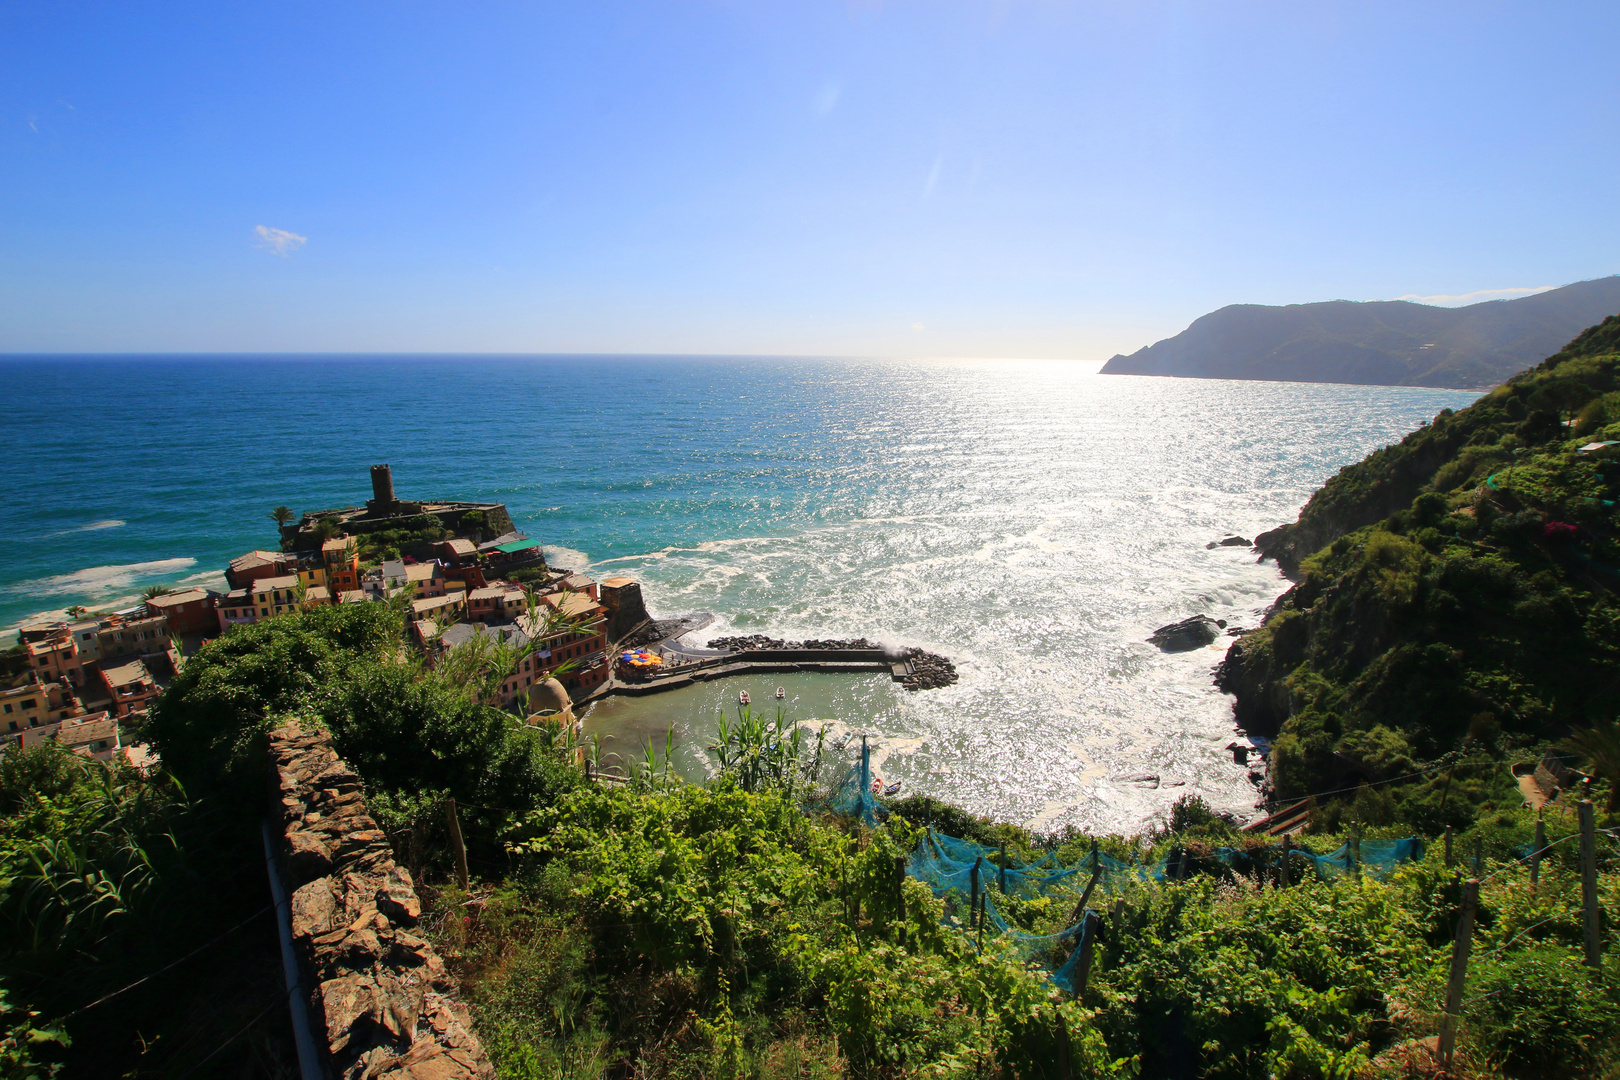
column 381, row 996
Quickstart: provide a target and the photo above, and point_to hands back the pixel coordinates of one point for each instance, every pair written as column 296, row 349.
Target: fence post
column 1479, row 853
column 456, row 842
column 1065, row 1066
column 1288, row 855
column 1352, row 850
column 900, row 891
column 1085, row 897
column 1448, row 847
column 1535, row 854
column 1589, row 899
column 1002, row 877
column 973, row 895
column 1460, row 948
column 1088, row 940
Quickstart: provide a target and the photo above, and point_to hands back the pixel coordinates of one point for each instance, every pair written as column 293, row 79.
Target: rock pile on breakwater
column 929, row 671
column 759, row 641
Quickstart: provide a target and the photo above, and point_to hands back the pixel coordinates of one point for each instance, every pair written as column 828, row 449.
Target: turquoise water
column 1031, row 520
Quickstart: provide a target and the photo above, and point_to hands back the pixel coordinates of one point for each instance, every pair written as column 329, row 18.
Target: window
column 29, row 704
column 8, row 708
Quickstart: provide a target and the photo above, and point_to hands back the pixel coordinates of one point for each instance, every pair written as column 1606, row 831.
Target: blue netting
column 1378, row 858
column 853, row 795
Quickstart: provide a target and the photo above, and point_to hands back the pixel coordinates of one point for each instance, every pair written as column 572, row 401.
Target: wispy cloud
column 1476, row 297
column 933, row 176
column 826, row 99
column 278, row 241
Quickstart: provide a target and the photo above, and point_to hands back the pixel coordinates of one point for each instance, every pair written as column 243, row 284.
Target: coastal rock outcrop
column 1230, row 541
column 1188, row 634
column 929, row 671
column 388, row 1007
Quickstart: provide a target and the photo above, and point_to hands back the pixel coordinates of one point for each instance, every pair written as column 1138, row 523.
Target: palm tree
column 154, row 591
column 1600, row 746
column 281, row 515
column 77, row 611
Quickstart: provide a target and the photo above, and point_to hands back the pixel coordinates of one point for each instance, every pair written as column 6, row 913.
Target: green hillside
column 1455, row 595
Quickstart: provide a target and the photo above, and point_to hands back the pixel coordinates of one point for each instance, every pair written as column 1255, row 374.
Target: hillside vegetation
column 1456, row 599
column 1391, row 342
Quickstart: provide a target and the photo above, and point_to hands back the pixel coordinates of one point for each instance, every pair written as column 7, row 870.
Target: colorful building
column 193, row 611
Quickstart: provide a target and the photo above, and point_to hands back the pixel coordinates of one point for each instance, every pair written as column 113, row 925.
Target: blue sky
column 954, row 179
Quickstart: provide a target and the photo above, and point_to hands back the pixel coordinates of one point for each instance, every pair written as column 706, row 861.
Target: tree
column 1600, row 745
column 281, row 515
column 325, row 529
column 77, row 611
column 155, row 590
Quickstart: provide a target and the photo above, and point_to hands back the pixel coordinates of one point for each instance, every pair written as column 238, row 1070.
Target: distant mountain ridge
column 1384, row 342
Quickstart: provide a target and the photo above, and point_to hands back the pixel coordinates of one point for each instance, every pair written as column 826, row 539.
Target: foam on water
column 1033, row 521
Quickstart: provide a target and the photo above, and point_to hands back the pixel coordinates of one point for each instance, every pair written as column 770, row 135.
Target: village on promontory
column 469, row 580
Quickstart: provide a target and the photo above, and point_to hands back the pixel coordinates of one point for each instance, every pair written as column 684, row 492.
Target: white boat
column 742, row 698
column 780, row 693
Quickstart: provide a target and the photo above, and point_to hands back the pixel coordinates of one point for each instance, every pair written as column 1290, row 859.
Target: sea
column 1033, row 521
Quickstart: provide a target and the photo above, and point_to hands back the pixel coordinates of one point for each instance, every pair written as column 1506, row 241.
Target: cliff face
column 1389, row 342
column 1456, row 589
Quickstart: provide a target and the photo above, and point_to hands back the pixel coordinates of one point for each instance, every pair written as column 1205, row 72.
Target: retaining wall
column 381, row 999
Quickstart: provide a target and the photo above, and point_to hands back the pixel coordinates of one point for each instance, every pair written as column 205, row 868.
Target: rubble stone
column 387, row 1006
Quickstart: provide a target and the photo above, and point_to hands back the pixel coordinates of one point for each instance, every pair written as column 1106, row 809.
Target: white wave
column 93, row 526
column 98, row 580
column 565, row 557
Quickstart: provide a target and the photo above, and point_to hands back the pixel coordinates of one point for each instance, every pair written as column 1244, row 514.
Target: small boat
column 892, row 788
column 780, row 693
column 742, row 698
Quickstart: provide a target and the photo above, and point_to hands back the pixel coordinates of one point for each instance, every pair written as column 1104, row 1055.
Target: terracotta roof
column 186, row 597
column 257, row 558
column 461, row 546
column 618, row 582
column 88, row 730
column 337, row 543
column 422, row 571
column 270, row 584
column 126, row 674
column 572, row 604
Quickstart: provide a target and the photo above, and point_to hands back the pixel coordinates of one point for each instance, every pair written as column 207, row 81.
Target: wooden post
column 899, row 888
column 1589, row 898
column 1535, row 854
column 1352, row 850
column 1003, row 876
column 1088, row 940
column 1288, row 856
column 973, row 896
column 1461, row 946
column 1080, row 908
column 1479, row 853
column 456, row 842
column 1448, row 847
column 1065, row 1058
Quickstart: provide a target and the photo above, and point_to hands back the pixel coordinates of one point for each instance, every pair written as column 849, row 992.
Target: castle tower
column 382, row 488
